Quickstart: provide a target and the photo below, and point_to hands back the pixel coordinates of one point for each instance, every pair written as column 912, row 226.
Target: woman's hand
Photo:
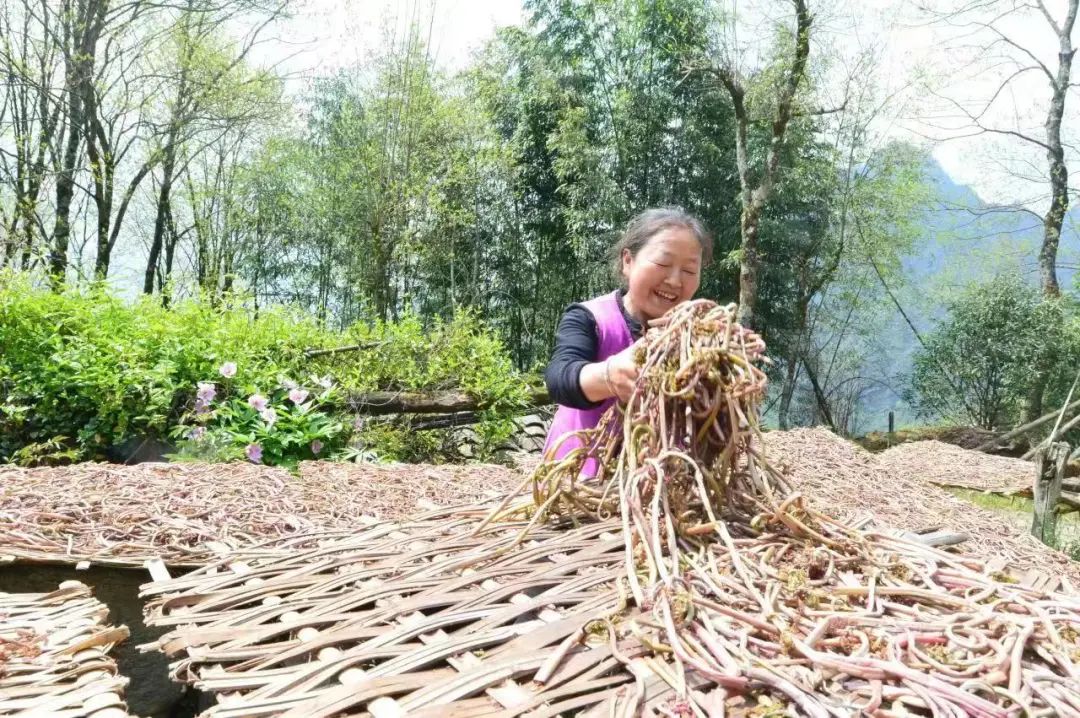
column 613, row 377
column 621, row 372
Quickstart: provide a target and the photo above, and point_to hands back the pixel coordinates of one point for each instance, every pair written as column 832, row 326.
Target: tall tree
column 81, row 24
column 852, row 204
column 211, row 88
column 1060, row 84
column 32, row 111
column 602, row 121
column 1001, row 60
column 758, row 179
column 116, row 108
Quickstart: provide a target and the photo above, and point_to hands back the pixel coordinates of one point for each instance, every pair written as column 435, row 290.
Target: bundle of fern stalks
column 740, row 587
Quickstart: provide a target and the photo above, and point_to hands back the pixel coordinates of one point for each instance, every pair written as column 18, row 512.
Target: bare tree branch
column 1049, row 18
column 819, row 112
column 1009, row 41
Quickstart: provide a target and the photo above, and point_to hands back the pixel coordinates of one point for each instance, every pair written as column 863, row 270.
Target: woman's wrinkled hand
column 621, row 372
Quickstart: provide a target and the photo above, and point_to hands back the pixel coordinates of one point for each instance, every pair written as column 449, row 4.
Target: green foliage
column 429, row 205
column 390, row 441
column 441, row 354
column 841, row 214
column 455, row 354
column 979, row 363
column 289, row 424
column 81, row 372
column 502, row 189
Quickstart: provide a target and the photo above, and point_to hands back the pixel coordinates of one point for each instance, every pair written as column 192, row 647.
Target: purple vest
column 614, row 336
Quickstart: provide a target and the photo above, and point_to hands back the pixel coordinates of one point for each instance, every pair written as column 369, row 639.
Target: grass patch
column 1018, row 511
column 995, row 502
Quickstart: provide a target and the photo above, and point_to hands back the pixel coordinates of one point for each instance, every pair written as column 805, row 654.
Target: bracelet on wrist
column 607, row 377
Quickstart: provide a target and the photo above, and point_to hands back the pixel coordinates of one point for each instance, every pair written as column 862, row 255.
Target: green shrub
column 288, row 424
column 395, row 441
column 1073, row 550
column 980, row 363
column 82, row 371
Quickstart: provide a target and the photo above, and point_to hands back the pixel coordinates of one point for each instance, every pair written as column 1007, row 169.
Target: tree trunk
column 1052, row 222
column 160, row 220
column 65, row 178
column 102, row 171
column 749, row 265
column 171, row 240
column 791, row 376
column 1050, row 470
column 176, row 121
column 84, row 25
column 1055, row 155
column 1059, row 188
column 819, row 394
column 1033, row 408
column 102, row 159
column 9, row 243
column 104, row 252
column 754, row 198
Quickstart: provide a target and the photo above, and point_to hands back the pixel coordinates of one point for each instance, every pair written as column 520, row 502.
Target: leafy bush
column 1073, row 550
column 82, row 371
column 291, row 423
column 980, row 364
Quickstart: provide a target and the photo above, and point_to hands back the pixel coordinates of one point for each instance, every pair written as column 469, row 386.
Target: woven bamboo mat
column 54, row 656
column 414, row 618
column 422, row 618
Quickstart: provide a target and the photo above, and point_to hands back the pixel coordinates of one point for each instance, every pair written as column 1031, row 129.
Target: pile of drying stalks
column 741, row 587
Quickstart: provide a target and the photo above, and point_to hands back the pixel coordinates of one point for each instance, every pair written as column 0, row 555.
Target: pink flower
column 298, row 396
column 257, row 402
column 228, row 369
column 254, row 453
column 269, row 415
column 206, row 392
column 316, row 446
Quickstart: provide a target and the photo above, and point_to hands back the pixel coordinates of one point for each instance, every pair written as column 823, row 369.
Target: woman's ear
column 627, row 261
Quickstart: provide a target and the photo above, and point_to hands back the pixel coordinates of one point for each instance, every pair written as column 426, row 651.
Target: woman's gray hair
column 651, row 222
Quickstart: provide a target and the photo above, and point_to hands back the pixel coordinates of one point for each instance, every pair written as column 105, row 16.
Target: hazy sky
column 326, row 34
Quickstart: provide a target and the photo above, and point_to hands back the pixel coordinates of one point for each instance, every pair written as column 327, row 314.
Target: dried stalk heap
column 191, row 514
column 686, row 580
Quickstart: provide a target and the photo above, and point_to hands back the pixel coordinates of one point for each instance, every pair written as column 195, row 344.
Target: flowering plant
column 280, row 426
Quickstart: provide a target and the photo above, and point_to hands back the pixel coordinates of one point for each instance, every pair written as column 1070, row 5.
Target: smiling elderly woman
column 659, row 260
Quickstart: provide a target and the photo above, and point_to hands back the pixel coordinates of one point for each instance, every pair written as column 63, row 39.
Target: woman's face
column 665, row 272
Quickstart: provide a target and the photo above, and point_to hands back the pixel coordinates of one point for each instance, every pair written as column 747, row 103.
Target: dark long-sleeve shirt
column 577, row 343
